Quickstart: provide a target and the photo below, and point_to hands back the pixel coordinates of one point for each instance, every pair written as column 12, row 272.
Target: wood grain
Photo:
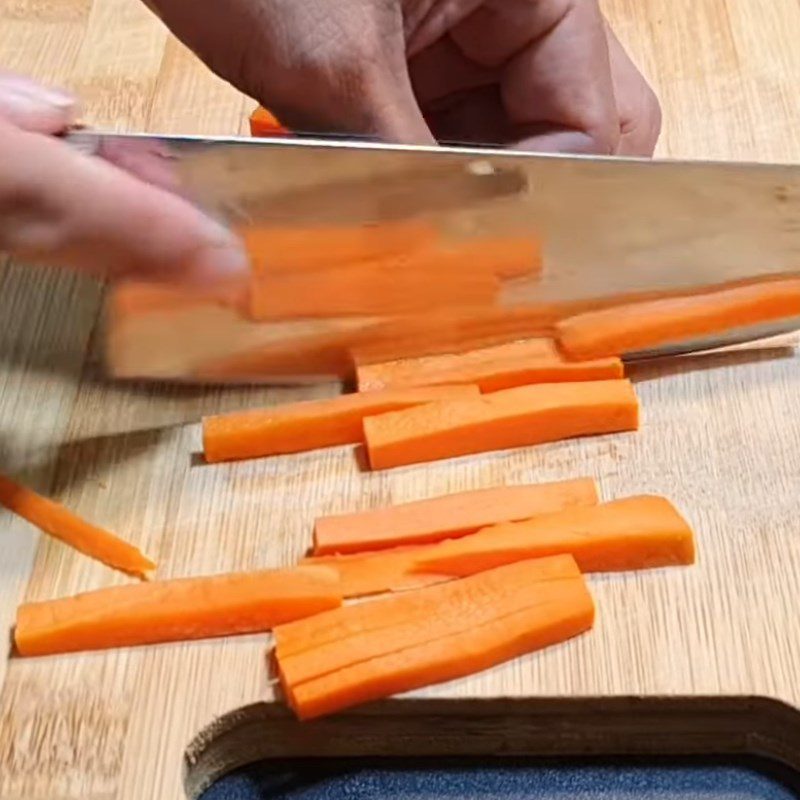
column 721, row 436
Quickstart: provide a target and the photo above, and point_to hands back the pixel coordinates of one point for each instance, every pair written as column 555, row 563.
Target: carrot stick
column 369, row 288
column 265, row 123
column 165, row 611
column 341, row 623
column 308, row 425
column 638, row 326
column 446, row 517
column 459, row 641
column 491, row 368
column 364, row 574
column 633, row 533
column 273, row 249
column 526, row 415
column 62, row 524
column 461, row 606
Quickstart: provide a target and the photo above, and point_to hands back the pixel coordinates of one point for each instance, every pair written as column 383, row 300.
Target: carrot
column 351, row 620
column 448, row 516
column 62, row 524
column 364, row 574
column 633, row 533
column 369, row 288
column 491, row 368
column 479, row 622
column 526, row 415
column 308, row 425
column 265, row 123
column 461, row 605
column 638, row 326
column 273, row 249
column 176, row 610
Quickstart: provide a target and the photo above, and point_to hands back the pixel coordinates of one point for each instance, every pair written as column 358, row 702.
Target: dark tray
column 510, row 779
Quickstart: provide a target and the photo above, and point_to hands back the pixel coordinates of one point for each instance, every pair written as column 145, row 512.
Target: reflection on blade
column 367, row 251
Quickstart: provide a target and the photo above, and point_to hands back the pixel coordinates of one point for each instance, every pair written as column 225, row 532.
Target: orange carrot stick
column 446, row 517
column 265, row 123
column 517, row 417
column 165, row 611
column 369, row 288
column 633, row 533
column 638, row 326
column 308, row 425
column 538, row 614
column 365, row 574
column 348, row 621
column 491, row 368
column 61, row 524
column 273, row 249
column 463, row 605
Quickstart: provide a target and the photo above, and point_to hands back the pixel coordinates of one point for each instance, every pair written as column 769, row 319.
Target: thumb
column 59, row 206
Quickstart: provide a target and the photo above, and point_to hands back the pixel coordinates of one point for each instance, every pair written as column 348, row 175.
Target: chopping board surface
column 720, row 437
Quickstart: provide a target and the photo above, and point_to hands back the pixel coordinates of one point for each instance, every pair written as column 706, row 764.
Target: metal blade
column 607, row 227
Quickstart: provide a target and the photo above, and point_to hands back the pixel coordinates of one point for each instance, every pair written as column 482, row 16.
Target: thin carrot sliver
column 60, row 523
column 638, row 326
column 640, row 532
column 309, row 425
column 526, row 415
column 538, row 614
column 491, row 368
column 176, row 610
column 448, row 516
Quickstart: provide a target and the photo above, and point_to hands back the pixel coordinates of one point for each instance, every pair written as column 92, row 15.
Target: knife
column 596, row 230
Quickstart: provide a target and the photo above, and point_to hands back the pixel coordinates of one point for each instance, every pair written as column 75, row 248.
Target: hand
column 58, row 206
column 545, row 75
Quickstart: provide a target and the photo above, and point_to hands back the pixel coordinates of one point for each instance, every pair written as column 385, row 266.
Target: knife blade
column 605, row 229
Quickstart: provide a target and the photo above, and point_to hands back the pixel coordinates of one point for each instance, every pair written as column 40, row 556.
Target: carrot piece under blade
column 491, row 368
column 176, row 610
column 368, row 289
column 279, row 250
column 459, row 640
column 311, row 424
column 518, row 417
column 639, row 532
column 378, row 572
column 638, row 326
column 448, row 516
column 60, row 523
column 265, row 123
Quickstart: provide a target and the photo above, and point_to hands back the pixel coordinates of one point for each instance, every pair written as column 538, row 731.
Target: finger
column 556, row 78
column 33, row 107
column 59, row 206
column 639, row 109
column 318, row 66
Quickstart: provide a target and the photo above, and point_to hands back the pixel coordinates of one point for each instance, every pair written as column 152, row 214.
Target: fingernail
column 220, row 260
column 23, row 104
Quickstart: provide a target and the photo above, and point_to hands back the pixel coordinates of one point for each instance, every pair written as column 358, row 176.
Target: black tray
column 510, row 779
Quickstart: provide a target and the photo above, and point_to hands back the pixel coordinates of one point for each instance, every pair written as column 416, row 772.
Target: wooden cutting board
column 681, row 660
